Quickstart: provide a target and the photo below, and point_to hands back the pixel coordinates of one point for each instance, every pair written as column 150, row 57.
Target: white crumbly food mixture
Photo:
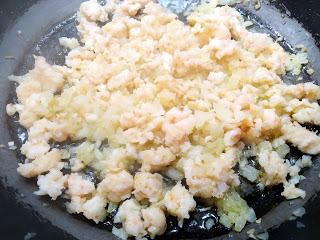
column 150, row 96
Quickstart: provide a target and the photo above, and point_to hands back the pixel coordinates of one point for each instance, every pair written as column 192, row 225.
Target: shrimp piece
column 116, row 186
column 129, row 214
column 156, row 159
column 40, row 164
column 51, row 184
column 94, row 208
column 177, row 126
column 300, row 137
column 148, row 186
column 78, row 186
column 179, row 202
column 154, row 221
column 93, row 11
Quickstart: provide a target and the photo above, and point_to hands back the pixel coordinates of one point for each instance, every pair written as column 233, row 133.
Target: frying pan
column 30, row 27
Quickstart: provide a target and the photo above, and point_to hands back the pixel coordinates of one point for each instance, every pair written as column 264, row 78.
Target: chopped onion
column 306, row 161
column 248, row 171
column 111, row 207
column 173, row 174
column 295, row 179
column 248, row 24
column 263, row 236
column 251, row 217
column 299, row 212
column 120, row 233
column 209, row 223
column 300, row 225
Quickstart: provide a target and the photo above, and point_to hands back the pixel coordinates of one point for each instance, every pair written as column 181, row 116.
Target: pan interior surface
column 37, row 33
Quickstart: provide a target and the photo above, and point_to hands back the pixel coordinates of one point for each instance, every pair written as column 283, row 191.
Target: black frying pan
column 33, row 27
